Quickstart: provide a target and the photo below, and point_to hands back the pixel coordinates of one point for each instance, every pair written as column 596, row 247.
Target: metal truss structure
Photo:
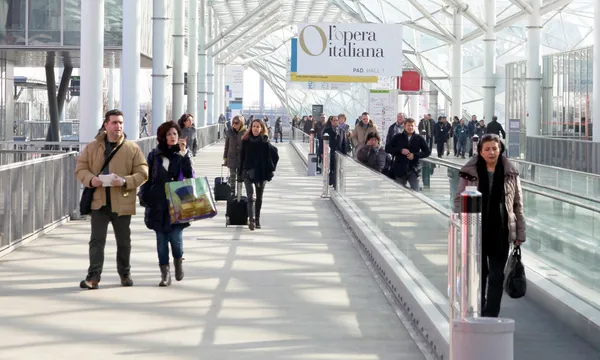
column 256, row 34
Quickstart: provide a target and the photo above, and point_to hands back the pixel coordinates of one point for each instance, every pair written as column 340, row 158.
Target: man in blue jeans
column 407, row 149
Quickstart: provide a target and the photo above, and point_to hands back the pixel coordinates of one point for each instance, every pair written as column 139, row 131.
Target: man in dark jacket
column 408, row 149
column 496, row 128
column 441, row 132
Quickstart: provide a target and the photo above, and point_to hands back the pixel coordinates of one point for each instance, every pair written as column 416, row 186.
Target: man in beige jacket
column 114, row 196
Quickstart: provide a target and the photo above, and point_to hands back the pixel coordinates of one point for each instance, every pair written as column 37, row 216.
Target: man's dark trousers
column 121, row 226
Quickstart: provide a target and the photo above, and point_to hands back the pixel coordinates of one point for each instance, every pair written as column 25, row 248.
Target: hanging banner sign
column 383, row 108
column 350, row 49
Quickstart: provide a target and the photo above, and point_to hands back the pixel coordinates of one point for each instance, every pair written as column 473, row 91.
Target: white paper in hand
column 107, row 179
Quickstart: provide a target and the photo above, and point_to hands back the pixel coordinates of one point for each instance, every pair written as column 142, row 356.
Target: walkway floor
column 296, row 289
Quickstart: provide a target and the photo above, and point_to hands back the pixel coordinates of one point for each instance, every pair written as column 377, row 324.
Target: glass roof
column 263, row 29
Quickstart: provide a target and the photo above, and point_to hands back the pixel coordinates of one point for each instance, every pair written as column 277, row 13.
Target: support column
column 489, row 62
column 457, row 65
column 192, row 82
column 202, row 113
column 111, row 82
column 178, row 53
column 414, row 107
column 130, row 68
column 91, row 69
column 159, row 63
column 210, row 73
column 261, row 95
column 433, row 104
column 534, row 73
column 596, row 74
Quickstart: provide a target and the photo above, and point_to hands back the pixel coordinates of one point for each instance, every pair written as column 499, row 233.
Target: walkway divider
column 411, row 265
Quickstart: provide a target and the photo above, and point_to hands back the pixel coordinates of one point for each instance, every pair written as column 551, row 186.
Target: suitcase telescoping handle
column 222, row 166
column 239, row 191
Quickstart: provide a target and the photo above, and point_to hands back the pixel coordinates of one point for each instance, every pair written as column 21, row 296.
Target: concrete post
column 91, row 69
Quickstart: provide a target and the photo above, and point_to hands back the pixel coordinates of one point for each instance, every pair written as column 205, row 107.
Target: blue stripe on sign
column 294, row 55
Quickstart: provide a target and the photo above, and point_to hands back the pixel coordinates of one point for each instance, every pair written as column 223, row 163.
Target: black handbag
column 85, row 204
column 515, row 282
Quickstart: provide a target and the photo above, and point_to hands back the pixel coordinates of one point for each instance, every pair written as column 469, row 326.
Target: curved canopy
column 256, row 34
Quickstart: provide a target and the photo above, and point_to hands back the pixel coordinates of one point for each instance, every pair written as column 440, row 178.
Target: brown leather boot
column 179, row 269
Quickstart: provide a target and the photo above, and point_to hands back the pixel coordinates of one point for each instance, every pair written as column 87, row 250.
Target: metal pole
column 457, row 65
column 210, row 72
column 192, row 72
column 91, row 69
column 201, row 52
column 130, row 68
column 534, row 73
column 178, row 52
column 470, row 253
column 325, row 166
column 489, row 61
column 596, row 74
column 311, row 142
column 111, row 82
column 159, row 63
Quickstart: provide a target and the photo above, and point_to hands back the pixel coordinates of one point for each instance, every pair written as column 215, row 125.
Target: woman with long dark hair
column 169, row 161
column 503, row 221
column 258, row 160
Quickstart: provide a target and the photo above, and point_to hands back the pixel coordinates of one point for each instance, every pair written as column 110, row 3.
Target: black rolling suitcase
column 237, row 209
column 222, row 187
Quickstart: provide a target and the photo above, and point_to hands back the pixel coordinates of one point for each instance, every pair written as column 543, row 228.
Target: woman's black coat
column 258, row 159
column 152, row 193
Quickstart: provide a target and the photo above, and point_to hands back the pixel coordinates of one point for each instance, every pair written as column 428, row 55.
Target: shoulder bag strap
column 109, row 158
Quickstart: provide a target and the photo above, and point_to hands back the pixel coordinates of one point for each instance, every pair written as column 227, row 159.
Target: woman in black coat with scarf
column 258, row 160
column 169, row 161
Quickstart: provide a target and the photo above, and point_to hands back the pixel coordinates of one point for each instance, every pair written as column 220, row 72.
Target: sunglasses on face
column 236, row 123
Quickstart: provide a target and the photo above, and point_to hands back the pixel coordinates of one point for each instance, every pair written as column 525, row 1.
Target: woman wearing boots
column 165, row 163
column 256, row 168
column 503, row 222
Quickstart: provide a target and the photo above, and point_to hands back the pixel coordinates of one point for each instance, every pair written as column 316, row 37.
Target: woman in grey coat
column 233, row 147
column 188, row 132
column 503, row 221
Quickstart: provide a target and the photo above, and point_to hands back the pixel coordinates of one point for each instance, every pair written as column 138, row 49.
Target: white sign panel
column 350, row 49
column 383, row 108
column 234, row 82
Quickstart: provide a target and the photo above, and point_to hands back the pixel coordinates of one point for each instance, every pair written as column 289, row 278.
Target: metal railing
column 38, row 193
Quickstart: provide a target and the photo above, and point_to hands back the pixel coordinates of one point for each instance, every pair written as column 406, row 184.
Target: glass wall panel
column 72, row 23
column 44, row 22
column 113, row 22
column 567, row 93
column 12, row 22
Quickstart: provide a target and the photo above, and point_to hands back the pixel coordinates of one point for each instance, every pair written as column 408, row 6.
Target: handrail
column 453, row 165
column 582, row 173
column 37, row 161
column 444, row 211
